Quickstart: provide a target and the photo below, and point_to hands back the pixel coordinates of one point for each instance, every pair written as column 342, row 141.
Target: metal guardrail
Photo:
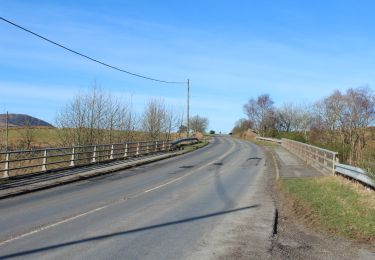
column 323, row 160
column 269, row 139
column 355, row 173
column 15, row 163
column 184, row 140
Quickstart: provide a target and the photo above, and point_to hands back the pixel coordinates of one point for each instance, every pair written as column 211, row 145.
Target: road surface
column 164, row 210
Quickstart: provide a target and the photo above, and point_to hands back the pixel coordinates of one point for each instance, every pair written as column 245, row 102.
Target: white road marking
column 51, row 225
column 106, row 206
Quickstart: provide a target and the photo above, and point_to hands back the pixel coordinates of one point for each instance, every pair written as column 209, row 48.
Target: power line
column 89, row 58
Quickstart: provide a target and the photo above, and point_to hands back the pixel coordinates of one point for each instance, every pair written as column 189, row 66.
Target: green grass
column 335, row 205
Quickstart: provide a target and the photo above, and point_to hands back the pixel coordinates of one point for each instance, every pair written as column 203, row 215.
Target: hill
column 21, row 120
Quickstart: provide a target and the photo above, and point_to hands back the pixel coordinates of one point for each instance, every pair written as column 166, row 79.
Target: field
column 42, row 137
column 48, row 137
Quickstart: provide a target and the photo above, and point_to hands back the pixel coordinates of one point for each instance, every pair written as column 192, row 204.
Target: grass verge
column 334, row 205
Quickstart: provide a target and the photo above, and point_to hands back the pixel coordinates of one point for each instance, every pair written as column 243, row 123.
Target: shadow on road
column 122, row 233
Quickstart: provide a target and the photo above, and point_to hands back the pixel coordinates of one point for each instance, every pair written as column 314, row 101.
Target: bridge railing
column 321, row 159
column 274, row 140
column 14, row 163
column 188, row 140
column 355, row 173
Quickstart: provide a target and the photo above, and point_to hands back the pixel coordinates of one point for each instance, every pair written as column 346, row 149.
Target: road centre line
column 52, row 225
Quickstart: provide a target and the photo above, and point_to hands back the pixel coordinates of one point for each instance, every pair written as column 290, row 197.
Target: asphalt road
column 164, row 210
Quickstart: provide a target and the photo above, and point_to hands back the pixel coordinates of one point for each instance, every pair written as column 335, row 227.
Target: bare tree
column 343, row 119
column 198, row 124
column 128, row 122
column 261, row 113
column 173, row 122
column 154, row 118
column 358, row 114
column 288, row 117
column 241, row 126
column 81, row 120
column 94, row 117
column 27, row 132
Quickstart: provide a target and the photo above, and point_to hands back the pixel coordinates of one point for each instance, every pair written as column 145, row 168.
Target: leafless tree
column 241, row 126
column 154, row 118
column 288, row 117
column 198, row 124
column 357, row 115
column 94, row 117
column 339, row 122
column 27, row 133
column 173, row 122
column 260, row 111
column 344, row 119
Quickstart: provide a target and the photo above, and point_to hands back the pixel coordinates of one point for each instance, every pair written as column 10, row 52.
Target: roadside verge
column 320, row 216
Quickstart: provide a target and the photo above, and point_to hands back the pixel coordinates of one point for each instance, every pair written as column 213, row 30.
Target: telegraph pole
column 188, row 108
column 6, row 132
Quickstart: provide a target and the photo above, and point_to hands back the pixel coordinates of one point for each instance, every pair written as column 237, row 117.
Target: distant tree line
column 340, row 122
column 97, row 117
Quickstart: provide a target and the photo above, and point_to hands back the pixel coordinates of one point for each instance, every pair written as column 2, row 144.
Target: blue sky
column 297, row 51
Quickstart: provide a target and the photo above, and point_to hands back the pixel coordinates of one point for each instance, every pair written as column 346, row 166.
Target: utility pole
column 188, row 108
column 6, row 132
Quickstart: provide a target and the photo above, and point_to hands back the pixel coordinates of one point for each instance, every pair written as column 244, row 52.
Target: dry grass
column 48, row 137
column 43, row 137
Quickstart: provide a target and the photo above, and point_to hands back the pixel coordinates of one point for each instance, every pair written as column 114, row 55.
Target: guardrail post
column 44, row 164
column 111, row 156
column 325, row 159
column 94, row 155
column 137, row 153
column 126, row 150
column 72, row 158
column 6, row 166
column 334, row 161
